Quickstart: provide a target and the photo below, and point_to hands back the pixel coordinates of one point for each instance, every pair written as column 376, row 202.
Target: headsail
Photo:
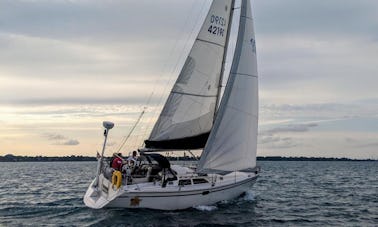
column 187, row 117
column 232, row 143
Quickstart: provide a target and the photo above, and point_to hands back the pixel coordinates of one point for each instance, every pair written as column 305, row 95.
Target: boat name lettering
column 218, row 20
column 217, row 25
column 215, row 30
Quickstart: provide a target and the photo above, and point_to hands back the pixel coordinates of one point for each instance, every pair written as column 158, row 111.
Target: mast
column 224, row 59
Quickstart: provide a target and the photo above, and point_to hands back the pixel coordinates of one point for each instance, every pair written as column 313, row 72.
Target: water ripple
column 287, row 193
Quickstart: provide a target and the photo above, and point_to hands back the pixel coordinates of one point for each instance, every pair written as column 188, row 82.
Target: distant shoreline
column 73, row 158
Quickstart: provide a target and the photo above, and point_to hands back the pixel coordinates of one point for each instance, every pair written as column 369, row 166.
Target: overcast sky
column 65, row 66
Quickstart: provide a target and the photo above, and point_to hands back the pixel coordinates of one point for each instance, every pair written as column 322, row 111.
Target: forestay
column 187, row 117
column 232, row 143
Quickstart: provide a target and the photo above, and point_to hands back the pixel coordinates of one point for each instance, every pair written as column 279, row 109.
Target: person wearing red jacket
column 117, row 161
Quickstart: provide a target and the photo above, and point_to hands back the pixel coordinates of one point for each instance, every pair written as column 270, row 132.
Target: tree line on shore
column 13, row 158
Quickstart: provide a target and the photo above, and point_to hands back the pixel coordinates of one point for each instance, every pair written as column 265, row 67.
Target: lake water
column 287, row 193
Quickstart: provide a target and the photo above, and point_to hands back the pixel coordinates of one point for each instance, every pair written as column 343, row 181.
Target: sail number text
column 217, row 24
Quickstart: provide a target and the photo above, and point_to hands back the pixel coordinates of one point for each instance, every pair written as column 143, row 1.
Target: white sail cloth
column 189, row 109
column 232, row 142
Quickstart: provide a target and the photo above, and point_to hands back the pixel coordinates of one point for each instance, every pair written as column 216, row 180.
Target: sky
column 67, row 65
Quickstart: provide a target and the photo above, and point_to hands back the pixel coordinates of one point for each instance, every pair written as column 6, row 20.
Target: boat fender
column 117, row 179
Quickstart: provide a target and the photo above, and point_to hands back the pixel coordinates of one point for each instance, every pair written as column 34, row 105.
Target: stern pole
column 107, row 125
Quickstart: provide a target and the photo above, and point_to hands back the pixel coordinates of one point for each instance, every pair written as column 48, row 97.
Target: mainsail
column 187, row 117
column 232, row 143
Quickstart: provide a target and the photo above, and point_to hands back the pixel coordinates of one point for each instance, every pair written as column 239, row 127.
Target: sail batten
column 189, row 110
column 210, row 42
column 191, row 94
column 244, row 74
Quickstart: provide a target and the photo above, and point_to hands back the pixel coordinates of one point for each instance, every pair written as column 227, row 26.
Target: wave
column 249, row 196
column 205, row 208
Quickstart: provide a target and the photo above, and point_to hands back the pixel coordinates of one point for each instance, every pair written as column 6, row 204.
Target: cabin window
column 185, row 182
column 200, row 181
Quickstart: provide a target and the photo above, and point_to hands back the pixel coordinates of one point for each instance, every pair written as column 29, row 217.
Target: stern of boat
column 99, row 196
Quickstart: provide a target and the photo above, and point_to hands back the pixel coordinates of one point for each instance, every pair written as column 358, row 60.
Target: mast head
column 108, row 125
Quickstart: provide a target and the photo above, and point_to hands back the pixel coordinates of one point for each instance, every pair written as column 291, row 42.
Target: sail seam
column 242, row 111
column 184, row 93
column 244, row 74
column 206, row 41
column 247, row 17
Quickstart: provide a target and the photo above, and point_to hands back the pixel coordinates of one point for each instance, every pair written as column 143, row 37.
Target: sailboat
column 191, row 120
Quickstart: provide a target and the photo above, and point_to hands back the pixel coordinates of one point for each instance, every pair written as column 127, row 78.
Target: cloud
column 298, row 67
column 271, row 139
column 111, row 144
column 70, row 142
column 320, row 112
column 362, row 143
column 60, row 140
column 350, row 140
column 317, row 17
column 290, row 128
column 54, row 136
column 58, row 55
column 95, row 19
column 307, row 52
column 32, row 67
column 81, row 50
column 373, row 145
column 277, row 142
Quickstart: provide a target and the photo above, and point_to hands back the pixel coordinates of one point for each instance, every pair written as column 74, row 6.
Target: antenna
column 107, row 125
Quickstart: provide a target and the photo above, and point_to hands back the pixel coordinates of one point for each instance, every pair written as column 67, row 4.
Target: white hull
column 172, row 197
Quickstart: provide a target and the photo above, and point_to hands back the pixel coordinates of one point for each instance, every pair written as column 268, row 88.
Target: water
column 287, row 193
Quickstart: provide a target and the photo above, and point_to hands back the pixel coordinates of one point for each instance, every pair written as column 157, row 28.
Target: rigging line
column 131, row 131
column 170, row 78
column 124, row 138
column 191, row 33
column 181, row 31
column 174, row 69
column 140, row 117
column 165, row 66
